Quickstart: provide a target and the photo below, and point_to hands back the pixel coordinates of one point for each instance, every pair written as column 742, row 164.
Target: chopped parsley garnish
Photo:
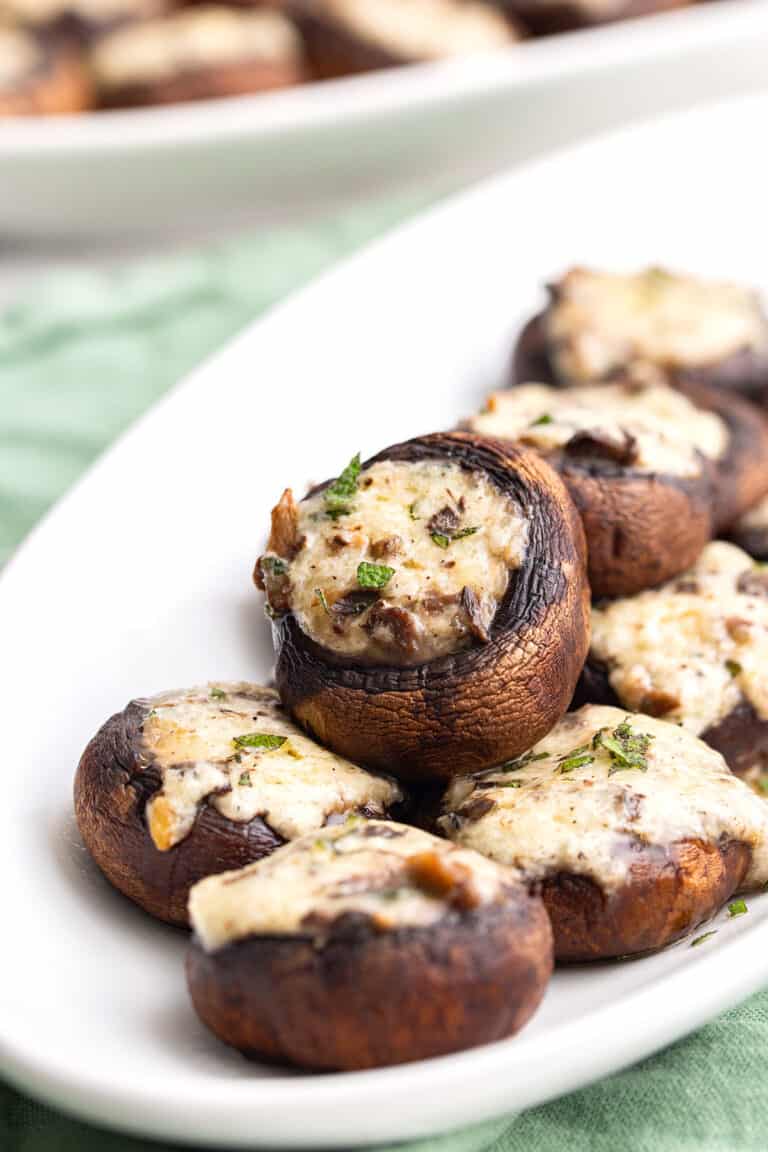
column 338, row 496
column 625, row 748
column 578, row 758
column 218, row 694
column 374, row 575
column 263, row 740
column 737, row 908
column 323, row 600
column 509, row 784
column 245, row 780
column 274, row 565
column 444, row 541
column 521, row 762
column 700, row 939
column 412, row 510
column 733, row 667
column 545, row 418
column 762, row 783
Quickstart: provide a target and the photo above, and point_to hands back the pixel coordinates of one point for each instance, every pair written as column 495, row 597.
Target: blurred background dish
column 210, row 165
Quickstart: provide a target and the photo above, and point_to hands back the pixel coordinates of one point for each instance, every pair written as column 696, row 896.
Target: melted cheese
column 600, row 323
column 589, row 821
column 369, row 868
column 190, row 40
column 191, row 739
column 396, row 501
column 668, row 431
column 423, row 29
column 698, row 639
column 19, row 57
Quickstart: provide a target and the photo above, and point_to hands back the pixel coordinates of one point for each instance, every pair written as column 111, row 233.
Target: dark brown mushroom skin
column 741, row 738
column 366, row 999
column 112, row 788
column 548, row 19
column 754, row 541
column 58, row 86
column 485, row 704
column 669, row 892
column 742, row 474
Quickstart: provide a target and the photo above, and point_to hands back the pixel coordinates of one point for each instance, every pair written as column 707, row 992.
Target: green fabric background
column 80, row 357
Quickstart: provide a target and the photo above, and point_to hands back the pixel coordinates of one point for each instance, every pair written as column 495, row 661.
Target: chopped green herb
column 274, row 565
column 245, row 780
column 545, row 418
column 737, row 908
column 509, row 784
column 762, row 782
column 152, row 714
column 323, row 600
column 441, row 540
column 218, row 694
column 462, row 532
column 700, row 939
column 412, row 511
column 626, row 749
column 579, row 758
column 521, row 762
column 444, row 541
column 263, row 740
column 373, row 575
column 339, row 495
column 733, row 667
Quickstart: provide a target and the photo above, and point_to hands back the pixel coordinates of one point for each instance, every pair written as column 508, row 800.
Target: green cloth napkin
column 82, row 355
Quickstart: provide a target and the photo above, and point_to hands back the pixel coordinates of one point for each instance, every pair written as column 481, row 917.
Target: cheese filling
column 693, row 649
column 651, row 429
column 601, row 323
column 19, row 57
column 190, row 40
column 423, row 29
column 412, row 567
column 573, row 806
column 396, row 876
column 232, row 746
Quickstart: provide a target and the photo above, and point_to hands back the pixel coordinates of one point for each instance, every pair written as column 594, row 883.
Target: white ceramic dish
column 140, row 580
column 434, row 127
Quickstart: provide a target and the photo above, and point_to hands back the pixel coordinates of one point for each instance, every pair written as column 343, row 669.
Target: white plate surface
column 433, row 126
column 140, row 580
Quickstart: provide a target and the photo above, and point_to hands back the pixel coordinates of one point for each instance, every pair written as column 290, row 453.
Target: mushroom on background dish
column 196, row 54
column 545, row 17
column 638, row 462
column 78, row 21
column 347, row 36
column 694, row 652
column 751, row 531
column 633, row 830
column 39, row 78
column 186, row 784
column 430, row 607
column 364, row 945
column 653, row 326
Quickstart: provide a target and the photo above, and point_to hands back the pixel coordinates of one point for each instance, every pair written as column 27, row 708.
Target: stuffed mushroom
column 366, row 944
column 694, row 652
column 638, row 462
column 38, row 78
column 429, row 607
column 632, row 829
column 348, row 36
column 185, row 784
column 654, row 326
column 196, row 54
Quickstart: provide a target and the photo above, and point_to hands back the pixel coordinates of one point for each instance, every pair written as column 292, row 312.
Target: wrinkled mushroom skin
column 112, row 788
column 466, row 711
column 741, row 738
column 59, row 86
column 473, row 978
column 548, row 18
column 668, row 894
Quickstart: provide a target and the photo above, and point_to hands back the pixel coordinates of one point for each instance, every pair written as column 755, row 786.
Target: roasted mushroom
column 652, row 326
column 430, row 607
column 638, row 462
column 77, row 22
column 347, row 36
column 632, row 829
column 197, row 54
column 751, row 531
column 186, row 784
column 545, row 17
column 38, row 78
column 364, row 945
column 693, row 652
